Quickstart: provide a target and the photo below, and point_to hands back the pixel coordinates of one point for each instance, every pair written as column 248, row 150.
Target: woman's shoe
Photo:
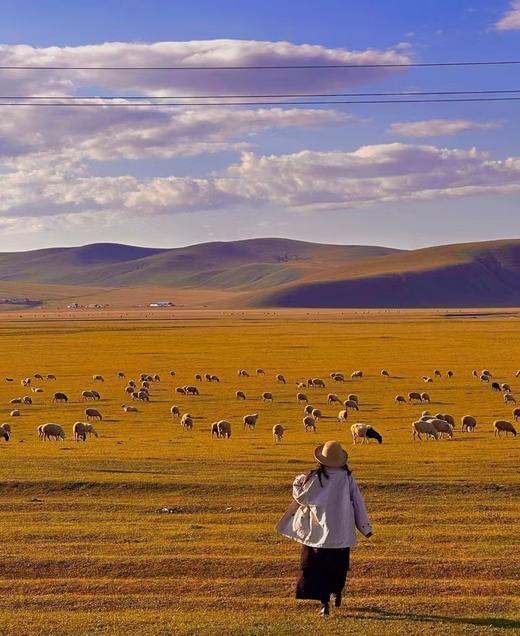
column 325, row 610
column 337, row 601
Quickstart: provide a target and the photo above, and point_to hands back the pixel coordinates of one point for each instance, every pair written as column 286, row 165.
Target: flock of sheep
column 431, row 426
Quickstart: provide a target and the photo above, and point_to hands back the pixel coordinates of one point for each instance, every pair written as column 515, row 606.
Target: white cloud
column 510, row 21
column 307, row 180
column 437, row 127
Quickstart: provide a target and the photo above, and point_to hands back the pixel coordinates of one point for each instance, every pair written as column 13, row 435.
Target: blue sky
column 403, row 174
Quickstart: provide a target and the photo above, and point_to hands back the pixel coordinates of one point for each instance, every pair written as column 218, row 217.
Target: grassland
column 87, row 550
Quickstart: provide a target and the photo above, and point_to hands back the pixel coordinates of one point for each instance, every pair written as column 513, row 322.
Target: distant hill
column 272, row 272
column 485, row 274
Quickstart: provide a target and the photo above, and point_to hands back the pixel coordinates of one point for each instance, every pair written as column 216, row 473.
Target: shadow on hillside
column 376, row 613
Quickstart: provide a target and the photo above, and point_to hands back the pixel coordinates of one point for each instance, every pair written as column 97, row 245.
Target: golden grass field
column 86, row 549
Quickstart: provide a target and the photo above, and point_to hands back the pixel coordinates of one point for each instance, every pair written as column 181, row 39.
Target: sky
column 403, row 175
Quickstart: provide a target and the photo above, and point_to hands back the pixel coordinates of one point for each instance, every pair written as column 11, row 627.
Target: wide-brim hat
column 331, row 454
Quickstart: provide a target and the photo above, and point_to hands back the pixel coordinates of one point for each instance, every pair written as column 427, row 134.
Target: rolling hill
column 273, row 273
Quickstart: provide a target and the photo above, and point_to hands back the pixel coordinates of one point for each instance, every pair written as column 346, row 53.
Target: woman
column 326, row 511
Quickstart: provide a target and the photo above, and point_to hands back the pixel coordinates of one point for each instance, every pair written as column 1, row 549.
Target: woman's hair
column 321, row 471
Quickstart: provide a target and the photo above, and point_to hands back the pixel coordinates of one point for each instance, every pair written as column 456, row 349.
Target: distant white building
column 162, row 303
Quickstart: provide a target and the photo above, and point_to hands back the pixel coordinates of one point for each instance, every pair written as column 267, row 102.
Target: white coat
column 326, row 516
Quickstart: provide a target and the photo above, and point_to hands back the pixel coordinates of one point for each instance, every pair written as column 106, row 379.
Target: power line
column 263, row 96
column 273, row 103
column 259, row 67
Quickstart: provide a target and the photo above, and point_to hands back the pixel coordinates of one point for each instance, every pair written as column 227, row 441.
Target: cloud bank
column 510, row 21
column 437, row 127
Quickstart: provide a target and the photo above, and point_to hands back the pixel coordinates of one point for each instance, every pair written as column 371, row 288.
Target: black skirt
column 323, row 571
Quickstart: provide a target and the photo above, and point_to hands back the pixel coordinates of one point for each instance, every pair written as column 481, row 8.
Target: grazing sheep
column 414, row 396
column 353, row 396
column 427, row 378
column 503, row 426
column 187, row 422
column 145, row 385
column 301, row 398
column 224, row 429
column 181, row 390
column 308, row 409
column 175, row 411
column 260, row 372
column 338, row 377
column 51, row 376
column 442, row 427
column 156, row 377
column 316, row 414
column 129, row 408
column 517, row 374
column 400, row 399
column 301, row 385
column 215, row 378
column 214, row 429
column 437, row 373
column 243, row 373
column 51, row 431
column 516, row 414
column 98, row 378
column 333, row 398
column 172, row 373
column 121, row 375
column 280, row 379
column 267, row 396
column 88, row 395
column 207, row 377
column 95, row 394
column 425, row 397
column 27, row 400
column 240, row 395
column 129, row 390
column 484, row 378
column 309, row 423
column 278, row 431
column 357, row 375
column 25, row 381
column 447, row 418
column 9, row 379
column 365, row 433
column 94, row 414
column 318, row 383
column 5, row 431
column 17, row 400
column 60, row 397
column 474, row 373
column 495, row 386
column 36, row 389
column 509, row 398
column 250, row 420
column 424, row 427
column 450, row 374
column 385, row 373
column 132, row 383
column 15, row 413
column 81, row 429
column 343, row 416
column 469, row 423
column 38, row 376
column 191, row 390
column 351, row 404
column 142, row 396
column 505, row 387
column 426, row 414
column 486, row 372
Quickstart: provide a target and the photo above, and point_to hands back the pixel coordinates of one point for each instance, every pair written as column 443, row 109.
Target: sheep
column 400, row 399
column 175, row 411
column 486, row 372
column 243, row 373
column 338, row 377
column 301, row 398
column 509, row 398
column 495, row 386
column 250, row 420
column 301, row 385
column 353, row 396
column 357, row 375
column 88, row 395
column 132, row 383
column 240, row 395
column 224, row 429
column 426, row 378
column 93, row 413
column 215, row 378
column 505, row 387
column 17, row 400
column 516, row 414
column 191, row 390
column 129, row 390
column 437, row 373
column 80, row 430
column 308, row 409
column 98, row 378
column 15, row 413
column 365, row 433
column 425, row 428
column 278, row 431
column 60, row 397
column 214, row 430
column 27, row 400
column 469, row 423
column 36, row 389
column 449, row 374
column 172, row 373
column 474, row 373
column 385, row 373
column 442, row 427
column 414, row 396
column 260, row 372
column 503, row 426
column 267, row 396
column 142, row 396
column 207, row 377
column 129, row 408
column 156, row 377
column 333, row 398
column 121, row 375
column 9, row 379
column 25, row 381
column 5, row 431
column 484, row 378
column 309, row 423
column 51, row 376
column 187, row 422
column 316, row 414
column 426, row 414
column 425, row 397
column 145, row 385
column 318, row 383
column 51, row 431
column 447, row 418
column 343, row 416
column 95, row 394
column 517, row 375
column 280, row 379
column 181, row 390
column 351, row 404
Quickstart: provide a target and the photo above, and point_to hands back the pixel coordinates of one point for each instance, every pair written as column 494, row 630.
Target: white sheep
column 343, row 415
column 187, row 422
column 357, row 375
column 509, row 398
column 414, row 396
column 442, row 427
column 385, row 373
column 308, row 409
column 98, row 378
column 424, row 427
column 301, row 398
column 351, row 404
column 81, row 429
column 127, row 408
column 316, row 414
column 175, row 411
column 516, row 414
column 365, row 433
column 309, row 423
column 250, row 420
column 224, row 429
column 503, row 426
column 278, row 431
column 15, row 413
column 425, row 397
column 5, row 431
column 93, row 413
column 353, row 396
column 281, row 379
column 240, row 395
column 267, row 396
column 333, row 398
column 469, row 423
column 400, row 399
column 51, row 431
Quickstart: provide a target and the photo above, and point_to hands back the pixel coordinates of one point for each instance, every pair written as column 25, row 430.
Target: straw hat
column 331, row 454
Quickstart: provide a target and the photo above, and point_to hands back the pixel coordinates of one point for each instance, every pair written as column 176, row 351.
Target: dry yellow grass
column 86, row 549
